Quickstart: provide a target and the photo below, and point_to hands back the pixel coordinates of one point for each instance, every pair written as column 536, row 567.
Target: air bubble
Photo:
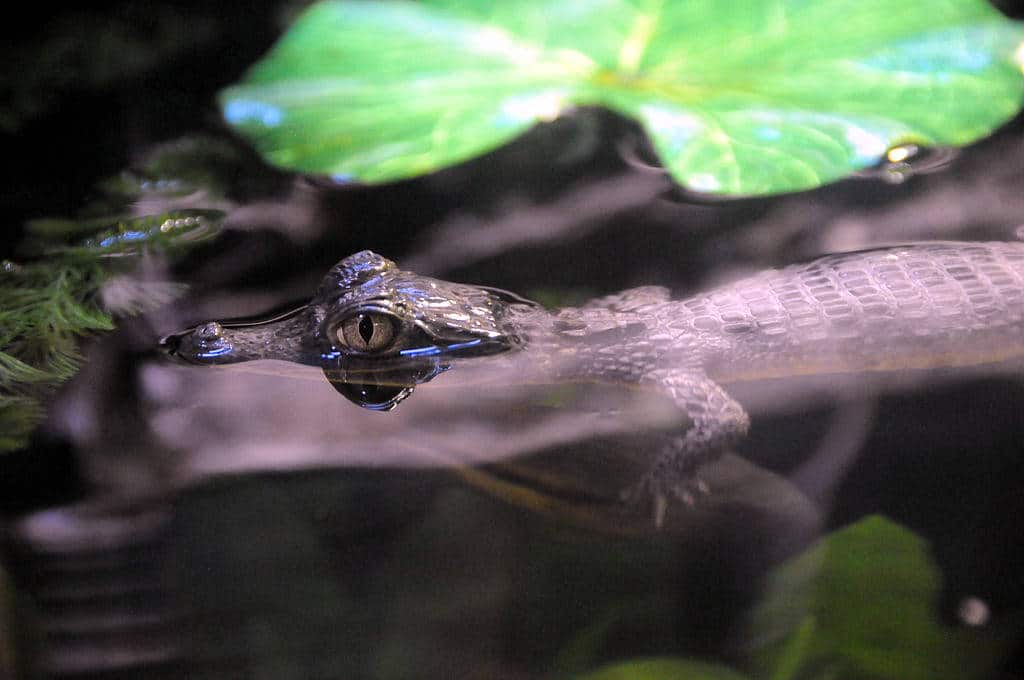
column 973, row 611
column 903, row 161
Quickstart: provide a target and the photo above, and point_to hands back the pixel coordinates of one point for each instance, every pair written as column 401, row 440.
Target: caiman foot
column 659, row 493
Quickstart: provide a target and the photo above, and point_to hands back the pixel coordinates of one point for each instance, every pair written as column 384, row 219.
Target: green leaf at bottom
column 862, row 604
column 664, row 669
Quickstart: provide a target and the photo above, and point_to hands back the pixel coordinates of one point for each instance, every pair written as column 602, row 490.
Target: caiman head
column 376, row 330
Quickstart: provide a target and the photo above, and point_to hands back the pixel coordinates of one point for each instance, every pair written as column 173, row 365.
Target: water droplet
column 898, row 154
column 903, row 161
column 974, row 611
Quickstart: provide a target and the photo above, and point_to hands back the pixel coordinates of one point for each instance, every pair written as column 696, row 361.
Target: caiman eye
column 367, row 332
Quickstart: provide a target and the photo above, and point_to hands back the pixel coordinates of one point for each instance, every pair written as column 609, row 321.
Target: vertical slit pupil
column 366, row 328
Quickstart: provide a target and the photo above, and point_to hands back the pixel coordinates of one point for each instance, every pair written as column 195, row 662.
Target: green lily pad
column 862, row 604
column 744, row 97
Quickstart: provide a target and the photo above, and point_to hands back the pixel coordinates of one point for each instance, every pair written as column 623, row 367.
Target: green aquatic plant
column 76, row 280
column 751, row 97
column 75, row 277
column 44, row 310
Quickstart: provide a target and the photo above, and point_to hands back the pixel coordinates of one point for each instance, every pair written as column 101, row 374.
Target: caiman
column 378, row 331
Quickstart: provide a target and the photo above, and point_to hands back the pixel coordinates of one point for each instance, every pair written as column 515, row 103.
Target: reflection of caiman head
column 376, row 331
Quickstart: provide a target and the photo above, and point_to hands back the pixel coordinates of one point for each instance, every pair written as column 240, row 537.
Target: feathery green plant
column 75, row 277
column 44, row 309
column 70, row 288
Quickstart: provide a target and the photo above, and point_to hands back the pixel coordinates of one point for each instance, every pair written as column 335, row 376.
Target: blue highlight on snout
column 434, row 350
column 214, row 352
column 421, row 351
column 429, row 351
column 464, row 345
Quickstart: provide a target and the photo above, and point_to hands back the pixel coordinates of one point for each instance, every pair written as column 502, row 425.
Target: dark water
column 249, row 522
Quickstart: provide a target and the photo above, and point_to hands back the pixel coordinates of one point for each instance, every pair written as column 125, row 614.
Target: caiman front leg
column 715, row 422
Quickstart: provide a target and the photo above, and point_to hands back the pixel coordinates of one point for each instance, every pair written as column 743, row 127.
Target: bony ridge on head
column 355, row 270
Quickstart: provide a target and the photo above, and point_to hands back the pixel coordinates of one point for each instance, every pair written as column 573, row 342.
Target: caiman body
column 377, row 331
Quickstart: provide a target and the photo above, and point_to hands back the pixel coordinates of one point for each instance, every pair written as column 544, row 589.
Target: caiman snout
column 204, row 344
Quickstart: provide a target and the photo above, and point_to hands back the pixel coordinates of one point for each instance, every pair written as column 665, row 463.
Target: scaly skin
column 918, row 306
